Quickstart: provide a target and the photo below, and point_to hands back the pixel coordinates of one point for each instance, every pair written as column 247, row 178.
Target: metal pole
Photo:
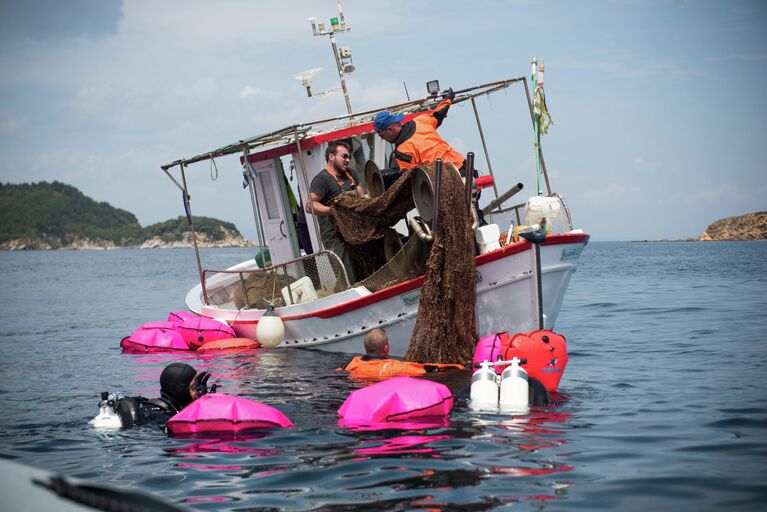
column 191, row 225
column 502, row 199
column 254, row 204
column 341, row 74
column 469, row 179
column 532, row 118
column 545, row 174
column 315, row 223
column 276, row 137
column 484, row 146
column 538, row 280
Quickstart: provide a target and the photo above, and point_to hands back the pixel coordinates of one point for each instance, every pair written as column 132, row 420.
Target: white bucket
column 302, row 290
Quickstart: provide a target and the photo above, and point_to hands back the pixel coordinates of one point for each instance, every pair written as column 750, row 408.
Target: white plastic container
column 538, row 208
column 514, row 389
column 487, row 238
column 302, row 290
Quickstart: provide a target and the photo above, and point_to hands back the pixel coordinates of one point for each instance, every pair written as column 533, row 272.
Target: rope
column 213, row 167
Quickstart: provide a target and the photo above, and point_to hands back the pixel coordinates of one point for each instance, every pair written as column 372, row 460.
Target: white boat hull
column 506, row 301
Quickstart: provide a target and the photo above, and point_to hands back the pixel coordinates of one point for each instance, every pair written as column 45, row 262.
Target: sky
column 659, row 107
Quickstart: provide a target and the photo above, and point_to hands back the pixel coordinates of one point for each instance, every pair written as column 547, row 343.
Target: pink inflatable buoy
column 154, row 337
column 198, row 330
column 179, row 316
column 216, row 412
column 491, row 348
column 399, row 399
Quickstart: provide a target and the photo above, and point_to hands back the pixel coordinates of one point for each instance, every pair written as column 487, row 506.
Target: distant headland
column 58, row 216
column 751, row 226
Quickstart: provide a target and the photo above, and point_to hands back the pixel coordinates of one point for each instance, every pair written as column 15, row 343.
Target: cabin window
column 270, row 195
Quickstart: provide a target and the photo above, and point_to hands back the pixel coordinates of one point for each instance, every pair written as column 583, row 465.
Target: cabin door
column 274, row 210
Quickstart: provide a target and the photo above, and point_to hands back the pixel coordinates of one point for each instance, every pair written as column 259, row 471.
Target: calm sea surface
column 665, row 395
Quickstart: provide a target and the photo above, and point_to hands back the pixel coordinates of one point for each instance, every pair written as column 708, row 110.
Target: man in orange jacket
column 417, row 141
column 376, row 363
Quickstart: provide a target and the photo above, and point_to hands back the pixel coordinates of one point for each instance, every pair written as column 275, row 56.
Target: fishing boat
column 520, row 285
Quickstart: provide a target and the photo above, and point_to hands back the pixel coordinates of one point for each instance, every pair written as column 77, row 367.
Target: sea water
column 662, row 407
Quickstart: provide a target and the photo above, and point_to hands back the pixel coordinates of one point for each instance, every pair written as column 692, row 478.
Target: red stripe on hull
column 417, row 282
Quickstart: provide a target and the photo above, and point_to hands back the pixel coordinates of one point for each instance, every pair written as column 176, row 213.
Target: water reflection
column 401, row 445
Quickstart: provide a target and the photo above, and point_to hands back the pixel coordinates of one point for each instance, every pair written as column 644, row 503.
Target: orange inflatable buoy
column 385, row 368
column 546, row 354
column 228, row 344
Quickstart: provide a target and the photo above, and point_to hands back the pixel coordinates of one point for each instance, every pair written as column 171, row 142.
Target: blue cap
column 384, row 119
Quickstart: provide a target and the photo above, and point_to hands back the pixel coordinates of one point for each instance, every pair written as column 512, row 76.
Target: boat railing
column 296, row 281
column 514, row 216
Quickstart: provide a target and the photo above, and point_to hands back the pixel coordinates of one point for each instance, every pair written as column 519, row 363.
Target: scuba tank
column 515, row 388
column 484, row 388
column 510, row 391
column 117, row 411
column 108, row 417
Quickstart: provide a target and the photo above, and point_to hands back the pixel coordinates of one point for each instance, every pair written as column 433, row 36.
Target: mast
column 342, row 56
column 536, row 124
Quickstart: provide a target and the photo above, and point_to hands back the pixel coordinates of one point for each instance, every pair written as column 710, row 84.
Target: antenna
column 306, row 78
column 342, row 56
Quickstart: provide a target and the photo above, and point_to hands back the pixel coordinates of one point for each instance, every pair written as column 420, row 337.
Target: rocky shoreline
column 751, row 226
column 80, row 243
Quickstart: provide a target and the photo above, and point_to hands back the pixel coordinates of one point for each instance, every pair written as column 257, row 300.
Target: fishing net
column 445, row 327
column 408, row 263
column 294, row 282
column 363, row 224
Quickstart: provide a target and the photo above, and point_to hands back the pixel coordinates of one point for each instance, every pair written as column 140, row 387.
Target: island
column 59, row 216
column 752, row 226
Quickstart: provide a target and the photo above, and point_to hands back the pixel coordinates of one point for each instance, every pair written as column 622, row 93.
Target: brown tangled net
column 445, row 328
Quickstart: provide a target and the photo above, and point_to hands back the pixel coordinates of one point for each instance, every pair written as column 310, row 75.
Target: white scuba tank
column 514, row 389
column 484, row 388
column 107, row 417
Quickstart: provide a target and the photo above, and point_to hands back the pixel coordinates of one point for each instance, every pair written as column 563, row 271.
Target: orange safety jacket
column 419, row 142
column 385, row 368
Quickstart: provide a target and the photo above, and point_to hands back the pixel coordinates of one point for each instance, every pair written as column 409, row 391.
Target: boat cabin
column 286, row 271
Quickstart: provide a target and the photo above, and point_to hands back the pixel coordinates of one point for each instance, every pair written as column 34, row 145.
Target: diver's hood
column 174, row 384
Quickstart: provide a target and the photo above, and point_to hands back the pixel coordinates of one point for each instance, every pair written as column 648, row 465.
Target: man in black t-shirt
column 335, row 179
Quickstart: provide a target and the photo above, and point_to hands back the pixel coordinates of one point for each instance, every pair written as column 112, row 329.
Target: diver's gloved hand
column 449, row 94
column 201, row 383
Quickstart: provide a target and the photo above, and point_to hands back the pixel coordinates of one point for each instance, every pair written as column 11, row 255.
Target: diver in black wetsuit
column 180, row 385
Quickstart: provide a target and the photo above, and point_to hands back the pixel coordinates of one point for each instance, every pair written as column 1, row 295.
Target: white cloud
column 249, row 92
column 201, row 90
column 253, row 93
column 9, row 125
column 629, row 67
column 718, row 193
column 644, row 165
column 607, row 194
